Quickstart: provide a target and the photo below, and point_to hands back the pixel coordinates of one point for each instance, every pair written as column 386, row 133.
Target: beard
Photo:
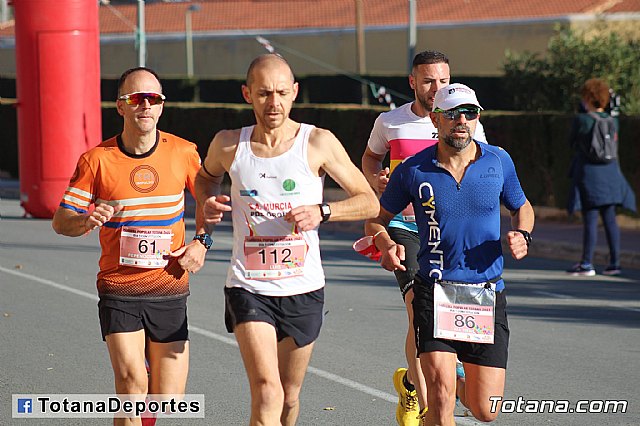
column 423, row 101
column 458, row 143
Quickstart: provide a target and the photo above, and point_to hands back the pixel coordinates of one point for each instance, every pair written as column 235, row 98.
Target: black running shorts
column 299, row 316
column 162, row 321
column 490, row 355
column 411, row 242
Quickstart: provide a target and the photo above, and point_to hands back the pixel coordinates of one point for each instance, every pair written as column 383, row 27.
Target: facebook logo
column 25, row 405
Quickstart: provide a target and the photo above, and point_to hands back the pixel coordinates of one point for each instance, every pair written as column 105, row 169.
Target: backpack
column 601, row 146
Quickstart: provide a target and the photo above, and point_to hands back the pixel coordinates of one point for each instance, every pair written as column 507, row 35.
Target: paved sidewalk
column 555, row 235
column 555, row 238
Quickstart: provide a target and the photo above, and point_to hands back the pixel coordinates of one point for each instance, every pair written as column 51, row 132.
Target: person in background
column 599, row 187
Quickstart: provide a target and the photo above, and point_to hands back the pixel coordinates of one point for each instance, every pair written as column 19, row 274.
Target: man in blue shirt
column 456, row 188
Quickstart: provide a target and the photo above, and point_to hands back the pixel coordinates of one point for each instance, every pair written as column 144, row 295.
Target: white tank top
column 270, row 256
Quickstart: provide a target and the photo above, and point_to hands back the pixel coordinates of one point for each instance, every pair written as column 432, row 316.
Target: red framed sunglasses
column 138, row 98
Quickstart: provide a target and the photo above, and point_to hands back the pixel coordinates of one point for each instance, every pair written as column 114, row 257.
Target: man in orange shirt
column 136, row 182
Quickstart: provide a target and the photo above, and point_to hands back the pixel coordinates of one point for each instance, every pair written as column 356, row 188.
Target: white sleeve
column 378, row 142
column 479, row 134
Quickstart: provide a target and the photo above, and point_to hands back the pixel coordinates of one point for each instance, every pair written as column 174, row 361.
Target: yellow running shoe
column 408, row 410
column 422, row 417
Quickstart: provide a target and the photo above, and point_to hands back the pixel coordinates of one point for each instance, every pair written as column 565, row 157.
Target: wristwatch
column 526, row 235
column 325, row 211
column 205, row 239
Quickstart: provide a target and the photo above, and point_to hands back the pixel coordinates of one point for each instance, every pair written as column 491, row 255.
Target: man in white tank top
column 274, row 291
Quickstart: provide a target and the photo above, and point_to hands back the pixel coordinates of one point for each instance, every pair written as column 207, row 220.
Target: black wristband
column 205, row 239
column 526, row 235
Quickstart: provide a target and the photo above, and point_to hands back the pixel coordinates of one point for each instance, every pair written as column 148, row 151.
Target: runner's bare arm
column 191, row 256
column 373, row 171
column 523, row 218
column 362, row 202
column 326, row 154
column 330, row 156
column 73, row 224
column 392, row 253
column 209, row 179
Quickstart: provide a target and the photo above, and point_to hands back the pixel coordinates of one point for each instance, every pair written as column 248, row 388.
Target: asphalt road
column 572, row 339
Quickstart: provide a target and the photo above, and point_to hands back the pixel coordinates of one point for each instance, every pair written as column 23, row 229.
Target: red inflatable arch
column 58, row 89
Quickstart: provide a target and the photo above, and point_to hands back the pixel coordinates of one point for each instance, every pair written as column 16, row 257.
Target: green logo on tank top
column 289, row 185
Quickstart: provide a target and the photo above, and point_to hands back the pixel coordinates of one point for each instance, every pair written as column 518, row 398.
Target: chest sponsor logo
column 289, row 185
column 435, row 253
column 272, row 210
column 266, row 176
column 144, row 178
column 248, row 192
column 491, row 173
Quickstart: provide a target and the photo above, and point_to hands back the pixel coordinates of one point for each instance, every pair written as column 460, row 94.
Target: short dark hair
column 428, row 57
column 596, row 92
column 262, row 58
column 130, row 71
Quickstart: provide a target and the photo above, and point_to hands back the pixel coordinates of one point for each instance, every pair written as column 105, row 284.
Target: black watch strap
column 325, row 211
column 205, row 239
column 526, row 235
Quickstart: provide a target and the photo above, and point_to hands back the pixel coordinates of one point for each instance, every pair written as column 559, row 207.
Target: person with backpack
column 597, row 177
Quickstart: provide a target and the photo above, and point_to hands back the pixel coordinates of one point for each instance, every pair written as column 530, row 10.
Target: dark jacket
column 595, row 185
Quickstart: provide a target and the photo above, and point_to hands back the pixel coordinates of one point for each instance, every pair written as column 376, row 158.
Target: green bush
column 552, row 83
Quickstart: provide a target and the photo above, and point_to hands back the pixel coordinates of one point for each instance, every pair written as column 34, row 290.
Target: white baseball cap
column 454, row 95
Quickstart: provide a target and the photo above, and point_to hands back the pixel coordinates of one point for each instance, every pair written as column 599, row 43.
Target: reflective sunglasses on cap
column 138, row 98
column 454, row 114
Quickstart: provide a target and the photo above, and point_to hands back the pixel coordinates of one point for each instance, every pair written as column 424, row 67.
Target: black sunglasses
column 454, row 114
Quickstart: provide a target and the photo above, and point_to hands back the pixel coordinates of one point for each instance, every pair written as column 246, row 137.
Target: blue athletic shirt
column 458, row 225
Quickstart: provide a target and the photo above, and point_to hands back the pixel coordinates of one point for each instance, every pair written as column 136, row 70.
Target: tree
column 552, row 82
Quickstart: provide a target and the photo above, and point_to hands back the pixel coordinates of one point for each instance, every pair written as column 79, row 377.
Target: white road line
column 212, row 335
column 50, row 283
column 554, row 295
column 353, row 385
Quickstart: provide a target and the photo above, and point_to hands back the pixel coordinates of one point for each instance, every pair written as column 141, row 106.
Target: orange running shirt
column 150, row 187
